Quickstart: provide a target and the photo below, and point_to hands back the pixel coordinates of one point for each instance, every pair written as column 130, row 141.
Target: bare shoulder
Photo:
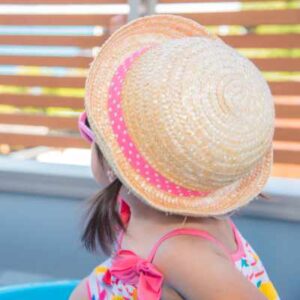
column 197, row 269
column 188, row 249
column 185, row 245
column 80, row 292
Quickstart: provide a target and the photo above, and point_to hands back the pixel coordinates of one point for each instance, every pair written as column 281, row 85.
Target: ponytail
column 103, row 217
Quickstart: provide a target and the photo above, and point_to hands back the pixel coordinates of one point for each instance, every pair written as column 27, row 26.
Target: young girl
column 181, row 128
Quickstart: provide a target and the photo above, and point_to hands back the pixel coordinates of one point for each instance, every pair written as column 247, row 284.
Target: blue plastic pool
column 58, row 290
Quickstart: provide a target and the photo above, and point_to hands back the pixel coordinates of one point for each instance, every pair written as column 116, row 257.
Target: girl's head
column 104, row 218
column 184, row 121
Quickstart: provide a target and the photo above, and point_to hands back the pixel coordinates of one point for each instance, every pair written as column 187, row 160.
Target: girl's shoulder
column 194, row 268
column 195, row 258
column 88, row 288
column 80, row 292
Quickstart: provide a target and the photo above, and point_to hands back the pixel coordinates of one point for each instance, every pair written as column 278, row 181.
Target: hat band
column 130, row 151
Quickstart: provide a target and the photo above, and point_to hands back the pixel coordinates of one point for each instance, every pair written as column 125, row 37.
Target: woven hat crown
column 198, row 112
column 185, row 122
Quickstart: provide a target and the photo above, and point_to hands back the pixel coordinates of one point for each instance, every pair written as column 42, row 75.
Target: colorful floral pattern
column 102, row 286
column 252, row 268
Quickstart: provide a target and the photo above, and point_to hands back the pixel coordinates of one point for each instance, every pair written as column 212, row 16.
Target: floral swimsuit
column 126, row 276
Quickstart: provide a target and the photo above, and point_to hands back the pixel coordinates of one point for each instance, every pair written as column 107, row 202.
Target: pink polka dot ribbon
column 130, row 151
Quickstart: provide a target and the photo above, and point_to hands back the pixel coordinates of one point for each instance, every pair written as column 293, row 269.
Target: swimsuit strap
column 124, row 210
column 190, row 231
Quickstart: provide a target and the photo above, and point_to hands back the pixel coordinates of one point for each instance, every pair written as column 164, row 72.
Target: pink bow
column 131, row 269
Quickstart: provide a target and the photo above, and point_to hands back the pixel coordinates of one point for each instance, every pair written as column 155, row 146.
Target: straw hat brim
column 131, row 37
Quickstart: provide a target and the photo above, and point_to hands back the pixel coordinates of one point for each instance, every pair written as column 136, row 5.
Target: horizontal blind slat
column 49, row 81
column 54, row 19
column 283, row 41
column 50, row 40
column 32, row 140
column 53, row 122
column 286, row 111
column 246, row 17
column 47, row 61
column 42, row 101
column 287, row 156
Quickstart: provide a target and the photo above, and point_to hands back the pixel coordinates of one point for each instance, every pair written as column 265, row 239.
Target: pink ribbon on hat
column 131, row 269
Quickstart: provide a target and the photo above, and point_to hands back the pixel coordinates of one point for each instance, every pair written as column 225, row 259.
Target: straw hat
column 184, row 120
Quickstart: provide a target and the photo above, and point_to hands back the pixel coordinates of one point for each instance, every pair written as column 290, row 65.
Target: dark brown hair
column 103, row 216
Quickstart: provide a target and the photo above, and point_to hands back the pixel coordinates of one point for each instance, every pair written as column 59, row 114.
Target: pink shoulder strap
column 124, row 210
column 188, row 231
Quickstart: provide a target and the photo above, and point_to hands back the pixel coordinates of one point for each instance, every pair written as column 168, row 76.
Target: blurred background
column 45, row 51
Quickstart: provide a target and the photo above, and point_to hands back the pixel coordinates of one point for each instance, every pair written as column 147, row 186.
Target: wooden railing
column 280, row 69
column 63, row 131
